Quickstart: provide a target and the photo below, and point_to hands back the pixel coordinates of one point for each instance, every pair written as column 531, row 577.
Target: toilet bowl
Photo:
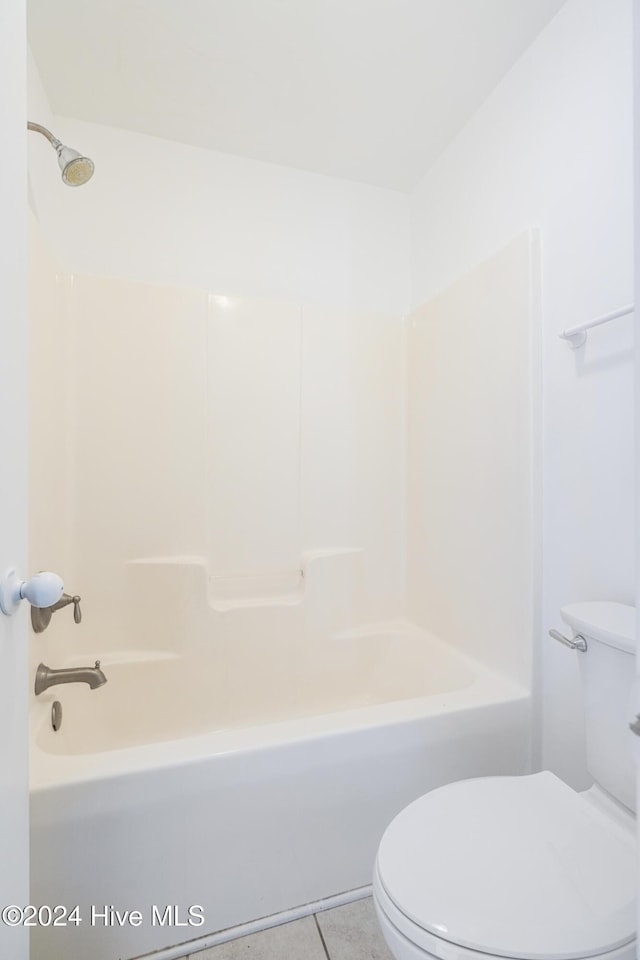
column 526, row 867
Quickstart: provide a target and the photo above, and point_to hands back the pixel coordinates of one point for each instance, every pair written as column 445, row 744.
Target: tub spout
column 46, row 677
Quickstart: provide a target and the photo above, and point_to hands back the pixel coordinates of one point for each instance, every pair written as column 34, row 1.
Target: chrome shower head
column 76, row 169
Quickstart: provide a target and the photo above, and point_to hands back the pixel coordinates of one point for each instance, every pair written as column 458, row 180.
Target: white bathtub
column 247, row 797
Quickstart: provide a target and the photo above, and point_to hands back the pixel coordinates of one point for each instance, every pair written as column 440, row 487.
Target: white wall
column 552, row 147
column 164, row 212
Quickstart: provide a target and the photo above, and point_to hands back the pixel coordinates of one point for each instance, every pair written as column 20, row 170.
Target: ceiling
column 370, row 90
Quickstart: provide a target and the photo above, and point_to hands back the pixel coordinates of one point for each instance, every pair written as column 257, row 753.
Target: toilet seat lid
column 519, row 867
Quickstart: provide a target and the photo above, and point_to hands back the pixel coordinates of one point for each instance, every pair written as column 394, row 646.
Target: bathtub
column 247, row 800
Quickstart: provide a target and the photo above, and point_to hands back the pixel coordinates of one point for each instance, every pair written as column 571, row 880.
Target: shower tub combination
column 251, row 808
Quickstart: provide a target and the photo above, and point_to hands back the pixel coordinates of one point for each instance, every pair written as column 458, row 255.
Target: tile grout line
column 324, row 946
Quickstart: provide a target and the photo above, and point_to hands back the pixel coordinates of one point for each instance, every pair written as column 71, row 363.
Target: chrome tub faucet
column 46, row 677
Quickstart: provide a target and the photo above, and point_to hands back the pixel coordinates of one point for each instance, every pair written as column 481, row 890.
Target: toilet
column 525, row 867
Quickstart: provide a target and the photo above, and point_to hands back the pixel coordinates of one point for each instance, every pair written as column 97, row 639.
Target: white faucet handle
column 42, row 590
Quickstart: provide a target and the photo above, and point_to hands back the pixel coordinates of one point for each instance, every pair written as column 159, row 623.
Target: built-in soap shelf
column 230, row 590
column 256, row 589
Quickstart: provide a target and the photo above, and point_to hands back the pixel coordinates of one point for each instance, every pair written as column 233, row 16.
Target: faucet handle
column 97, row 665
column 41, row 618
column 41, row 591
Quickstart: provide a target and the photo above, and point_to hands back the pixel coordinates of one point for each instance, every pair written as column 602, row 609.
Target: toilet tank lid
column 603, row 620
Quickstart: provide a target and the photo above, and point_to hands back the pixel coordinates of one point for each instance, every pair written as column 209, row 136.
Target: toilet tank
column 608, row 672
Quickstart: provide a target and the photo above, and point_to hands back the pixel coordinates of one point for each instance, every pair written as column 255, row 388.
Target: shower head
column 76, row 169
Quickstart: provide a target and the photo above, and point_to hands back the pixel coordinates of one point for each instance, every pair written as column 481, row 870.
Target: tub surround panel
column 138, row 452
column 253, row 424
column 50, row 475
column 242, row 431
column 352, row 444
column 472, row 486
column 140, row 399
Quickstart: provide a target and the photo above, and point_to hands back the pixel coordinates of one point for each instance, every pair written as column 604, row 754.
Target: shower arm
column 38, row 128
column 43, row 130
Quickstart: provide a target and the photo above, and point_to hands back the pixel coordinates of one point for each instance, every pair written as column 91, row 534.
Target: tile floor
column 350, row 932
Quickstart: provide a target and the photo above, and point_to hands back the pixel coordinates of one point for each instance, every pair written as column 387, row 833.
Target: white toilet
column 526, row 867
